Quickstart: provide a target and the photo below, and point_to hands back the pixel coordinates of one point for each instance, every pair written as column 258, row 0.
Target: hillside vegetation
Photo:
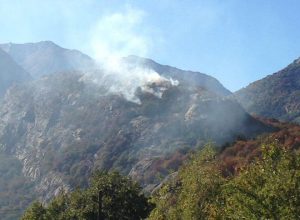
column 267, row 188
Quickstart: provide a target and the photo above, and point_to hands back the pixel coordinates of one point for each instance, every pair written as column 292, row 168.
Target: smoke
column 120, row 34
column 117, row 35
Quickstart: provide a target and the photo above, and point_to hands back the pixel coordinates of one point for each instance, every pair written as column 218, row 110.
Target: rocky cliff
column 46, row 57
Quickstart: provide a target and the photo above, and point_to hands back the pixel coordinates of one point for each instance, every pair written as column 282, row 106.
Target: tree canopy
column 109, row 196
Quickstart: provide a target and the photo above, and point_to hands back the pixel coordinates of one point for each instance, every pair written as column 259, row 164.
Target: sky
column 235, row 41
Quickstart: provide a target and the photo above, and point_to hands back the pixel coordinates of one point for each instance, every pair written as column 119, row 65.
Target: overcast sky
column 235, row 41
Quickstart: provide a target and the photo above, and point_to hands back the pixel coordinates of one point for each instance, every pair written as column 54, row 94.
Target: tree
column 119, row 197
column 267, row 189
column 194, row 193
column 57, row 208
column 110, row 196
column 35, row 212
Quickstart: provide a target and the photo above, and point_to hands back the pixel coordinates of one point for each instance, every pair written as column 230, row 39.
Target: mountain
column 10, row 72
column 61, row 128
column 45, row 58
column 57, row 129
column 277, row 95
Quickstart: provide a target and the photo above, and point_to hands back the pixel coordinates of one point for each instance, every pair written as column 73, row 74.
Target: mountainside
column 57, row 129
column 63, row 126
column 276, row 96
column 45, row 58
column 10, row 72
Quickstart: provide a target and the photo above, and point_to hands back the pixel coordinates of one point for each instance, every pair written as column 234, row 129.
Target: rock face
column 276, row 95
column 45, row 58
column 10, row 72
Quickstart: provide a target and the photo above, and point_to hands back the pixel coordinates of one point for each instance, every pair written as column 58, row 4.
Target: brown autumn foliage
column 233, row 157
column 243, row 152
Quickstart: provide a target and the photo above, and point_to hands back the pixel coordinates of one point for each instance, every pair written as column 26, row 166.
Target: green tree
column 120, row 197
column 110, row 196
column 35, row 212
column 58, row 208
column 267, row 189
column 194, row 194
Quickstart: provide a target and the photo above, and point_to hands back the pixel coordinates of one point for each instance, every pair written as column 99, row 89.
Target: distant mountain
column 10, row 72
column 45, row 58
column 276, row 95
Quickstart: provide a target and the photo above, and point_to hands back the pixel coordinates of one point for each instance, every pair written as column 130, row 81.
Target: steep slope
column 45, row 57
column 276, row 96
column 62, row 127
column 10, row 72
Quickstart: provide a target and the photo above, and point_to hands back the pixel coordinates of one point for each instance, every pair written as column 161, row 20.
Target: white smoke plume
column 118, row 35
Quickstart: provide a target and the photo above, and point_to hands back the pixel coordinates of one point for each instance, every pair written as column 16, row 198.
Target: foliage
column 35, row 212
column 194, row 194
column 118, row 198
column 268, row 188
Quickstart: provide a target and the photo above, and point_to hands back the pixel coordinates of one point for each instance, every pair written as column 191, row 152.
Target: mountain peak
column 46, row 43
column 7, row 47
column 188, row 77
column 46, row 57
